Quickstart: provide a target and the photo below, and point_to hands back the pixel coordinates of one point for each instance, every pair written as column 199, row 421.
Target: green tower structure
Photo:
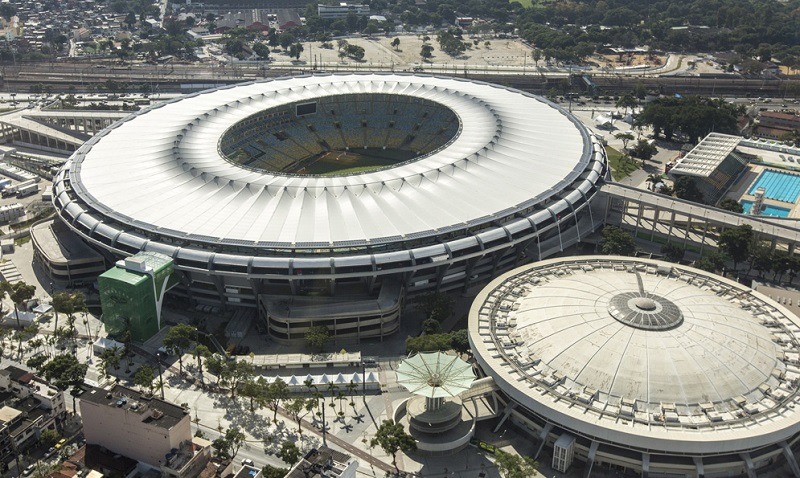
column 131, row 294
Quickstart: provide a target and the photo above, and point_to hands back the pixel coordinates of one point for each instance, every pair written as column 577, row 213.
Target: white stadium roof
column 642, row 353
column 161, row 170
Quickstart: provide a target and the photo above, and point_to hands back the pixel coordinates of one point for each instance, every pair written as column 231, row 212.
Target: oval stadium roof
column 160, row 169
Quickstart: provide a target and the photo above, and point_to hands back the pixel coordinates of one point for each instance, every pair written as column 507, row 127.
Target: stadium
column 327, row 199
column 641, row 366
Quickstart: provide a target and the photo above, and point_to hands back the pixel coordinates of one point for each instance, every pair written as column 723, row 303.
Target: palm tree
column 653, row 179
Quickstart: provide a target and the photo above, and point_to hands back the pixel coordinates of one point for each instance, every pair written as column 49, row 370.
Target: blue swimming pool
column 779, row 185
column 769, row 210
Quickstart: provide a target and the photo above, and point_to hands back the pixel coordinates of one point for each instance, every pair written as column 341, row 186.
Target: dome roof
column 719, row 351
column 643, row 353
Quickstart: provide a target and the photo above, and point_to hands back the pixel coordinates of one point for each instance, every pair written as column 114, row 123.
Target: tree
column 64, row 371
column 48, row 438
column 643, row 150
column 395, row 43
column 459, row 341
column 435, row 305
column 261, row 50
column 686, row 188
column 270, row 471
column 68, row 303
column 237, row 372
column 514, row 466
column 19, row 293
column 130, row 19
column 317, row 336
column 277, row 392
column 256, row 392
column 392, row 437
column 145, row 377
column 110, row 357
column 37, row 362
column 672, row 252
column 627, row 101
column 536, row 55
column 761, row 259
column 736, row 243
column 285, row 39
column 228, row 445
column 617, row 242
column 295, row 50
column 431, row 326
column 289, row 452
column 295, row 407
column 428, row 343
column 426, row 52
column 731, row 205
column 625, row 138
column 201, row 352
column 179, row 339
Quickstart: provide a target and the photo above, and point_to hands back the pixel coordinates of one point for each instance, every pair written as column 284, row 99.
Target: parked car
column 61, row 443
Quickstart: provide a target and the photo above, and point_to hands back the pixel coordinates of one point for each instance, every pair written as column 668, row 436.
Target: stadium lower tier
column 366, row 292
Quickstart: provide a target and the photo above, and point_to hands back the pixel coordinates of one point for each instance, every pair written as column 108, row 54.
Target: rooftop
column 155, row 411
column 502, row 159
column 320, row 462
column 60, row 244
column 707, row 155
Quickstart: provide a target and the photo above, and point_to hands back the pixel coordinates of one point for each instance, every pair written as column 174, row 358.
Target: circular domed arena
column 327, row 199
column 641, row 365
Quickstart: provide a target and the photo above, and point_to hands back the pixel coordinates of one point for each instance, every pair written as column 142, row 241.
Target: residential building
column 154, row 432
column 324, row 462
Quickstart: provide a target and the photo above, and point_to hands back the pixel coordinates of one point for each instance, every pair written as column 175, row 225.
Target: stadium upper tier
column 487, row 168
column 281, row 140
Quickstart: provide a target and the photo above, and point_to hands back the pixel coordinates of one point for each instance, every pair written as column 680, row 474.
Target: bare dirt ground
column 379, row 52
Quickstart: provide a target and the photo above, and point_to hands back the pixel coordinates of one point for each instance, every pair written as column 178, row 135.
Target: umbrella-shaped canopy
column 435, row 375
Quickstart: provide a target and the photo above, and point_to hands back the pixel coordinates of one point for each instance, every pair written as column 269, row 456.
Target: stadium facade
column 642, row 366
column 327, row 199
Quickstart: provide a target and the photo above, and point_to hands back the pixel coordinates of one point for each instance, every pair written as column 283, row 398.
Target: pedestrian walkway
column 10, row 273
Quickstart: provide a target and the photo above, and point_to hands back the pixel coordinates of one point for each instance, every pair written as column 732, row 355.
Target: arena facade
column 643, row 366
column 327, row 199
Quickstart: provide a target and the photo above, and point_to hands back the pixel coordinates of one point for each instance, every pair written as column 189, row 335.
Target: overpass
column 57, row 131
column 656, row 217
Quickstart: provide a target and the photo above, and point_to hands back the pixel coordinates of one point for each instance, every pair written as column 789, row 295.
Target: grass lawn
column 621, row 165
column 525, row 3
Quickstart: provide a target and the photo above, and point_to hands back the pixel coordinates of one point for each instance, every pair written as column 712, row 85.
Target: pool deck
column 740, row 189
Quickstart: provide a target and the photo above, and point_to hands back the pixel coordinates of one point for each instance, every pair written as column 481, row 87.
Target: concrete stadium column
column 698, row 465
column 543, row 439
column 748, row 462
column 639, row 213
column 790, row 458
column 705, row 232
column 688, row 230
column 671, row 223
column 656, row 211
column 645, row 465
column 590, row 458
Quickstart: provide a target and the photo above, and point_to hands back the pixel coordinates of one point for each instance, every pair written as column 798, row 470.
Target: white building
column 342, row 10
column 649, row 366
